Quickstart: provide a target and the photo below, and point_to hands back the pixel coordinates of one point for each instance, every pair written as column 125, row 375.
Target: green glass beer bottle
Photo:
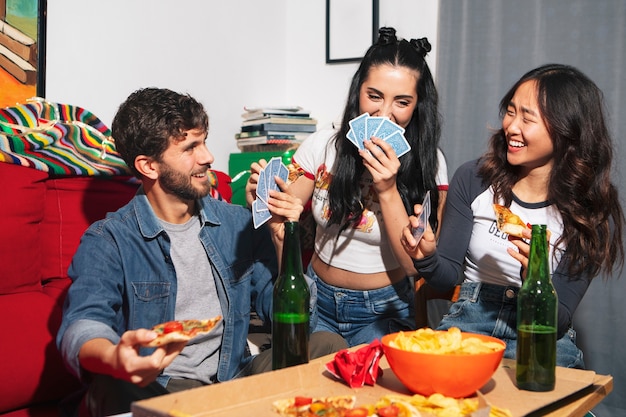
column 290, row 317
column 537, row 320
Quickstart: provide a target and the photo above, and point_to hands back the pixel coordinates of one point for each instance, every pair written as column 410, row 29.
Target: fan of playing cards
column 274, row 168
column 365, row 126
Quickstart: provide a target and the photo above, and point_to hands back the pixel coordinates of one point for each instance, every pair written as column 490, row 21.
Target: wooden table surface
column 576, row 392
column 578, row 404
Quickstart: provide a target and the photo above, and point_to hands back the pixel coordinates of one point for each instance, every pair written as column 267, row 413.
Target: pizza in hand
column 182, row 330
column 508, row 222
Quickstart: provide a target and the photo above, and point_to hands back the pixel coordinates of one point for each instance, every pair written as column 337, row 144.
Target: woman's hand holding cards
column 263, row 186
column 283, row 205
column 381, row 162
column 417, row 237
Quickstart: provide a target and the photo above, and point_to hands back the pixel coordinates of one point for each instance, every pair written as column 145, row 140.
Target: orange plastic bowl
column 455, row 375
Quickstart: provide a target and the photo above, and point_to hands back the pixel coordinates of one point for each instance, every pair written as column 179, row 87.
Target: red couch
column 41, row 221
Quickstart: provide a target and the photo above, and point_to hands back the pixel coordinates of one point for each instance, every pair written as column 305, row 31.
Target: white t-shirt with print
column 364, row 249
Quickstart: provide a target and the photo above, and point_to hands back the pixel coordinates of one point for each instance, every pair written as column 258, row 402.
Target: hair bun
column 422, row 46
column 386, row 36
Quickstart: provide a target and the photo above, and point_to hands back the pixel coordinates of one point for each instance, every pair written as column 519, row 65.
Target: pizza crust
column 513, row 229
column 166, row 339
column 191, row 329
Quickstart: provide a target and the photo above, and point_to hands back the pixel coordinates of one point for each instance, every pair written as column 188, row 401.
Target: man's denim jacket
column 123, row 279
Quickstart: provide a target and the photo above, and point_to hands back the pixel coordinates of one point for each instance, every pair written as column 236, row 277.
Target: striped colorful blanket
column 58, row 138
column 63, row 140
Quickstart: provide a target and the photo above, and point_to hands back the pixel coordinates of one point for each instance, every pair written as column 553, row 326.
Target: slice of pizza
column 310, row 406
column 508, row 222
column 182, row 330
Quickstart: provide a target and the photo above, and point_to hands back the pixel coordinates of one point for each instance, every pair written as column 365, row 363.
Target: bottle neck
column 292, row 258
column 538, row 265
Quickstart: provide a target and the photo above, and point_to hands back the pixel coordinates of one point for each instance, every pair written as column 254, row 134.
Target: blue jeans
column 362, row 316
column 492, row 310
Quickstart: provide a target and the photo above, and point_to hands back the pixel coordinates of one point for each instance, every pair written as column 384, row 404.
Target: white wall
column 227, row 54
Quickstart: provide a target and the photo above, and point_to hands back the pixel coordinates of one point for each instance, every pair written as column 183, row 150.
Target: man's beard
column 180, row 185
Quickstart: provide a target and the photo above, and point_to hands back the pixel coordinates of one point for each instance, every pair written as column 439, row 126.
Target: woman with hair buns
column 361, row 199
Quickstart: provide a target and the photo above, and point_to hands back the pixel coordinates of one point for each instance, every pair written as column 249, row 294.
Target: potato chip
column 400, row 401
column 427, row 340
column 499, row 412
column 441, row 406
column 442, row 401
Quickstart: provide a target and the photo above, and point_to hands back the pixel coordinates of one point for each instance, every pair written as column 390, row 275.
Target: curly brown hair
column 152, row 117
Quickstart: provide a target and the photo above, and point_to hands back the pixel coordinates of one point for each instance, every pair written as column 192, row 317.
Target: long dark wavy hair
column 580, row 187
column 419, row 166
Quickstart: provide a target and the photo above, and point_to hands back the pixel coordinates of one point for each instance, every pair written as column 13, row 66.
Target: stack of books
column 274, row 128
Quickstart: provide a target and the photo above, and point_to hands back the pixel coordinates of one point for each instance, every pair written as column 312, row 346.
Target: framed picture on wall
column 351, row 27
column 22, row 50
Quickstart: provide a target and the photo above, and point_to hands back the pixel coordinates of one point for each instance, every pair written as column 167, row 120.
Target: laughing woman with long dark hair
column 551, row 164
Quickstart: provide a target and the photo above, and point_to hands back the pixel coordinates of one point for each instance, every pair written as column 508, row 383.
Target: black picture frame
column 347, row 36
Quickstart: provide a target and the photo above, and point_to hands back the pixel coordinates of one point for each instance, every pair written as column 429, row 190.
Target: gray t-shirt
column 196, row 298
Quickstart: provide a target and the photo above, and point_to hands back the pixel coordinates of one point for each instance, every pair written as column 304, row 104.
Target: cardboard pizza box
column 254, row 395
